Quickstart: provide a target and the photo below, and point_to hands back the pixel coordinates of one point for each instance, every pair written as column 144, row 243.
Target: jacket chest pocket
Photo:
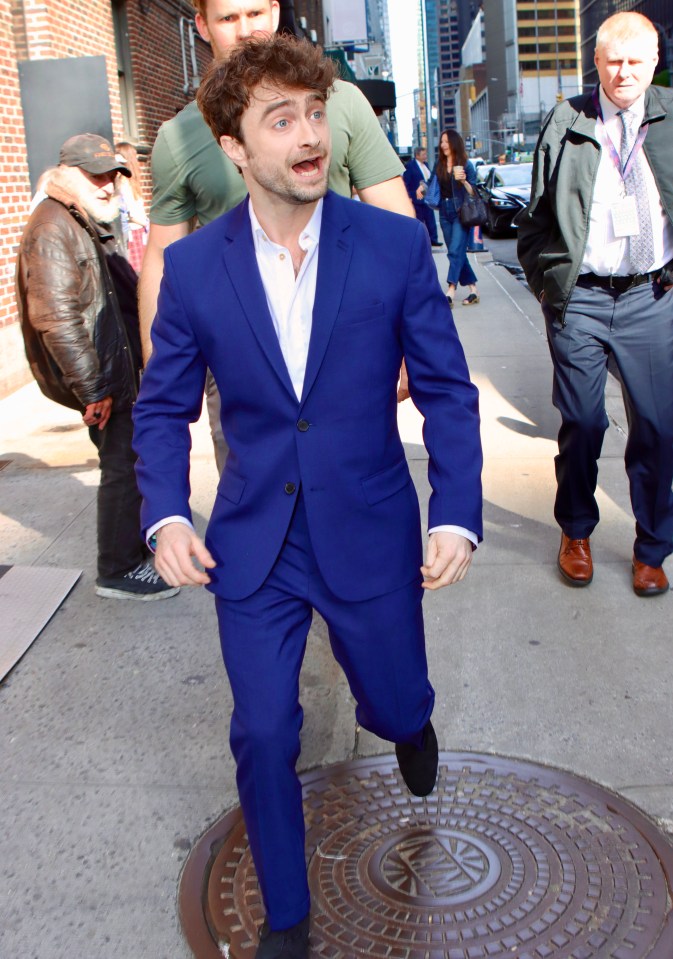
column 362, row 314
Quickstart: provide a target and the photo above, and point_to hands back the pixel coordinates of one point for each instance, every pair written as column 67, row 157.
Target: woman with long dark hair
column 457, row 176
column 134, row 218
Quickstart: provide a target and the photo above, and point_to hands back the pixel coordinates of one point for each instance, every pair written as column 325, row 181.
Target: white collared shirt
column 290, row 299
column 605, row 253
column 425, row 170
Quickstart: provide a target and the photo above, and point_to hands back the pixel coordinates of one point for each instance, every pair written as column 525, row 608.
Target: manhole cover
column 506, row 858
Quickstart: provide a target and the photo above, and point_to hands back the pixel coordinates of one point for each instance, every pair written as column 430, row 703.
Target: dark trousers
column 426, row 215
column 120, row 546
column 633, row 330
column 380, row 646
column 456, row 236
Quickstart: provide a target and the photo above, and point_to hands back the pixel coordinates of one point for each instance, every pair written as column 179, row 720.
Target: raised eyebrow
column 281, row 104
column 278, row 105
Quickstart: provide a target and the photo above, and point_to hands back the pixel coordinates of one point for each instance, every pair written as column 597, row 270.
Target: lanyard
column 614, row 156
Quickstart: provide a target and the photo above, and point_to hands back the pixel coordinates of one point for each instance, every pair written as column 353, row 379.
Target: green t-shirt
column 192, row 176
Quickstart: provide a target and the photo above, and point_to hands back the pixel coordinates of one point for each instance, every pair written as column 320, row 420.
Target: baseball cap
column 92, row 153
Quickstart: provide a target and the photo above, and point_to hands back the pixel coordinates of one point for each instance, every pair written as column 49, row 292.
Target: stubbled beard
column 282, row 184
column 100, row 211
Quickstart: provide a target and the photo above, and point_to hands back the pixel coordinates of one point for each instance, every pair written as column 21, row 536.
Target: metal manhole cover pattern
column 505, row 858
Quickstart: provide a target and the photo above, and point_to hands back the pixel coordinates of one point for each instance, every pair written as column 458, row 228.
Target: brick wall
column 15, row 197
column 158, row 73
column 39, row 29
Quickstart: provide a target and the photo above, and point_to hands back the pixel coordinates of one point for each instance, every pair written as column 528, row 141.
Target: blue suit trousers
column 380, row 645
column 426, row 215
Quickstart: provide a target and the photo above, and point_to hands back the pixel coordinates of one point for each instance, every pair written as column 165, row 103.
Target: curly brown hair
column 226, row 90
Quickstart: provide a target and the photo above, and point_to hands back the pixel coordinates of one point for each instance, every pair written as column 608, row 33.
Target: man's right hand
column 177, row 548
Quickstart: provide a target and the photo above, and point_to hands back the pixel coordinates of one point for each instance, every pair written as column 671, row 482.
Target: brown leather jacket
column 73, row 330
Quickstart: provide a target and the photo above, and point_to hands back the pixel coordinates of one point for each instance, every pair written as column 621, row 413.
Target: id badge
column 625, row 217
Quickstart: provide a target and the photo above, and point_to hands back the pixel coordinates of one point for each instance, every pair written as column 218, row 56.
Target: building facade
column 532, row 62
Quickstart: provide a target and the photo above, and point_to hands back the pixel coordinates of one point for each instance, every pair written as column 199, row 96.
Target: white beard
column 69, row 179
column 100, row 211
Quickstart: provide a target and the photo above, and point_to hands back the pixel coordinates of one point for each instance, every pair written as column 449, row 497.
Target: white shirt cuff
column 468, row 534
column 164, row 522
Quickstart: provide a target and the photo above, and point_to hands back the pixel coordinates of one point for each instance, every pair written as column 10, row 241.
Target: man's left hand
column 97, row 414
column 447, row 560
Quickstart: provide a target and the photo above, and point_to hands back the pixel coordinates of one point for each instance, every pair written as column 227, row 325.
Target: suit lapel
column 241, row 264
column 334, row 254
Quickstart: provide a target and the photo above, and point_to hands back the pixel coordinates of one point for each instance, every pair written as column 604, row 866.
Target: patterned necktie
column 641, row 247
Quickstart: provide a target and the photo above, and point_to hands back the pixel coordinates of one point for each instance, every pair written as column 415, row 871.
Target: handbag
column 473, row 211
column 433, row 194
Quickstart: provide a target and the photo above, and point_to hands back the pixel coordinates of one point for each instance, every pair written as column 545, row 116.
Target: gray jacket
column 553, row 230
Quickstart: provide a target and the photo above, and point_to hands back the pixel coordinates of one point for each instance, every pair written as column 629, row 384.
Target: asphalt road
column 503, row 249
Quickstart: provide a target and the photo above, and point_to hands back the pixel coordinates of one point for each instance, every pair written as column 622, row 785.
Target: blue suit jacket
column 377, row 299
column 412, row 177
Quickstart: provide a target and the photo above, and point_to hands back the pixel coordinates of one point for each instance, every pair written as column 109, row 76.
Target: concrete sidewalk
column 114, row 725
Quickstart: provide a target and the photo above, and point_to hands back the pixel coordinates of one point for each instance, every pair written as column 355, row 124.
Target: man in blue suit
column 415, row 177
column 302, row 303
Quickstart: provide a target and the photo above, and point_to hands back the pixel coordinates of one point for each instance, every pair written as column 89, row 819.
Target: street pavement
column 114, row 724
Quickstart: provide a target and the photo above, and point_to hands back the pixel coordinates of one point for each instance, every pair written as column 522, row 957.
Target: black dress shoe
column 438, row 244
column 419, row 766
column 289, row 943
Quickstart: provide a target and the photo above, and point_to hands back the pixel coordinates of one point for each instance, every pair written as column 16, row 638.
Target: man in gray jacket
column 596, row 244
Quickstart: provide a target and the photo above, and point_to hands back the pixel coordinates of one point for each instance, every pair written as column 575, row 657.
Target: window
column 124, row 74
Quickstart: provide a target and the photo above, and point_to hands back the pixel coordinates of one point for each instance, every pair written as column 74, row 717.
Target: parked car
column 506, row 191
column 483, row 171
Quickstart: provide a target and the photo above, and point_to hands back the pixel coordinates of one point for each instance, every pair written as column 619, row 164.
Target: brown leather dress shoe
column 574, row 561
column 648, row 580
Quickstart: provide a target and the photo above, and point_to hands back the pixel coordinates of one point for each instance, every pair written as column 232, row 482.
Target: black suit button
column 303, row 425
column 290, row 488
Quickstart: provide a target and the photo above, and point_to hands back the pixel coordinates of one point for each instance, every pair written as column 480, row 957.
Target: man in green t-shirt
column 194, row 181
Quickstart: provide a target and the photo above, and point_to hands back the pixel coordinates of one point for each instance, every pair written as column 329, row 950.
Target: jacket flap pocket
column 384, row 484
column 231, row 486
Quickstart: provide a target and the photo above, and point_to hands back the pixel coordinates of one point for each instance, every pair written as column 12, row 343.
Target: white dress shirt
column 605, row 253
column 290, row 300
column 425, row 170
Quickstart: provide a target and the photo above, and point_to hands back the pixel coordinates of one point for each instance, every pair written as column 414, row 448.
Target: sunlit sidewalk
column 114, row 725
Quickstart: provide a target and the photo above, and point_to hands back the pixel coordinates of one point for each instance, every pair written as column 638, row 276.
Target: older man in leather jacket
column 76, row 296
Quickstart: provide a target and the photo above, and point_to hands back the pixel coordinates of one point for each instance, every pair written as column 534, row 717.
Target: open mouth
column 309, row 168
